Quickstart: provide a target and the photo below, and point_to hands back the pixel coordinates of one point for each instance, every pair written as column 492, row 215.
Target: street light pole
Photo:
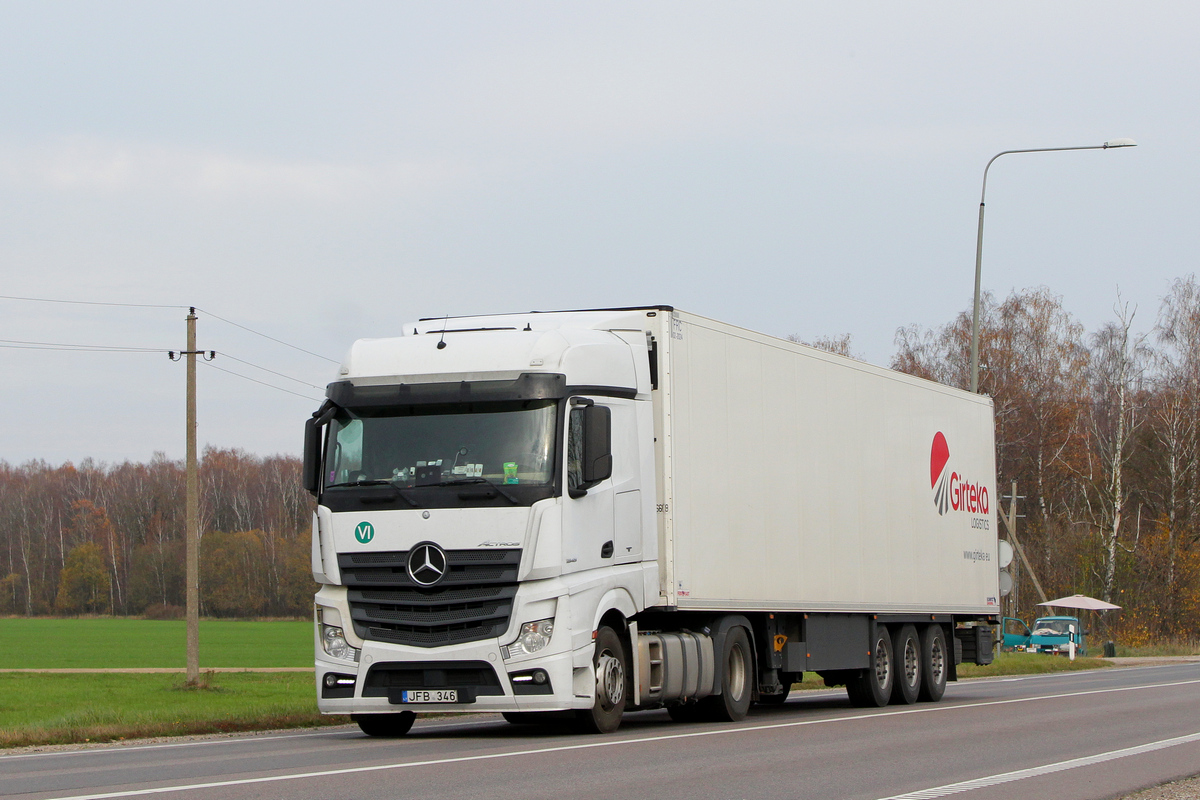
column 979, row 240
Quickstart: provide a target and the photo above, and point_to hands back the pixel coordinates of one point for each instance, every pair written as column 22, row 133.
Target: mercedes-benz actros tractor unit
column 584, row 513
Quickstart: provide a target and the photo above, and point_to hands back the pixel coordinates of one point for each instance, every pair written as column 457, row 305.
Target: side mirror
column 589, row 443
column 313, row 428
column 312, row 456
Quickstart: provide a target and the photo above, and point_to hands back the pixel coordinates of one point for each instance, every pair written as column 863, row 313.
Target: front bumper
column 477, row 670
column 386, row 664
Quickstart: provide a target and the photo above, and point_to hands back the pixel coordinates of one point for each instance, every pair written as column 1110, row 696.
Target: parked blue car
column 1049, row 635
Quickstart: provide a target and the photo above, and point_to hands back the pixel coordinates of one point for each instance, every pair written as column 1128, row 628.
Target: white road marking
column 725, row 731
column 1046, row 769
column 139, row 747
column 247, row 738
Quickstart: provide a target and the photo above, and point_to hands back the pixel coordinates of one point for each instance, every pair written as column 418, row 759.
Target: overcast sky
column 323, row 172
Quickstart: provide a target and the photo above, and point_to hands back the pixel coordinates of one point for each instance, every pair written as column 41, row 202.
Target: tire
column 872, row 687
column 611, row 684
column 385, row 725
column 935, row 664
column 906, row 648
column 737, row 680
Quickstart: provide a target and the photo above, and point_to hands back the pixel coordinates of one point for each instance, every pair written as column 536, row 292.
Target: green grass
column 1178, row 647
column 106, row 643
column 1029, row 664
column 54, row 709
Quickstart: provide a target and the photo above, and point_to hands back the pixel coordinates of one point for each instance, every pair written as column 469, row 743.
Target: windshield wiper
column 376, row 482
column 360, row 482
column 467, row 481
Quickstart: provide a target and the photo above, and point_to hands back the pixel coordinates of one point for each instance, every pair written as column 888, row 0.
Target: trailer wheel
column 934, row 664
column 872, row 687
column 906, row 648
column 737, row 680
column 609, row 661
column 385, row 725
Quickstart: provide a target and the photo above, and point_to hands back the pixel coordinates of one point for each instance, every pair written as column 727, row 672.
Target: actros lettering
column 967, row 496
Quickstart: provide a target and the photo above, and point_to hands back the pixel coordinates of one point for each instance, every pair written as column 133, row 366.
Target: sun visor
column 529, row 386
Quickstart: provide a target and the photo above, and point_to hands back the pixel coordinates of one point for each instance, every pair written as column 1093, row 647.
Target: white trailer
column 577, row 514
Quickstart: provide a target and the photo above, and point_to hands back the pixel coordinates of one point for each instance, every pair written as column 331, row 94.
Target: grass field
column 56, row 709
column 1028, row 664
column 106, row 643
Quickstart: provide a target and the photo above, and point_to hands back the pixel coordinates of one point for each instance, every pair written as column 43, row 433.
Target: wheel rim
column 736, row 670
column 937, row 661
column 883, row 665
column 610, row 680
column 911, row 661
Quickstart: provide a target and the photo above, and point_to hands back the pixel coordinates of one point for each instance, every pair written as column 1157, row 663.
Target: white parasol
column 1080, row 601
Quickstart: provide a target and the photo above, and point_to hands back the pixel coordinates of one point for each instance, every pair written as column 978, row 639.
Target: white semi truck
column 582, row 513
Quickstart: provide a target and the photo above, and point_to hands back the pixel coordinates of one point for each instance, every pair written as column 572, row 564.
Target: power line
column 273, row 372
column 25, row 345
column 261, row 383
column 265, row 336
column 159, row 305
column 87, row 302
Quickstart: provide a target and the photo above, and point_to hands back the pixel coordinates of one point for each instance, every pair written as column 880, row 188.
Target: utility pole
column 193, row 512
column 192, row 506
column 1010, row 524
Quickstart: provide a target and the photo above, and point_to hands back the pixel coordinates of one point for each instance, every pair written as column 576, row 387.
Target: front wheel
column 385, row 725
column 609, row 662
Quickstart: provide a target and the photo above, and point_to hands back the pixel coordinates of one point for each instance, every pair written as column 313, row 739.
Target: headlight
column 333, row 640
column 532, row 638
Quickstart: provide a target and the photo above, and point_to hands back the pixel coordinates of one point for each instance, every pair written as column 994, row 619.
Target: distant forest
column 98, row 539
column 1100, row 430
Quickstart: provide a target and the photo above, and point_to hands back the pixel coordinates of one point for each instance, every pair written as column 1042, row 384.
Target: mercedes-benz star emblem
column 426, row 564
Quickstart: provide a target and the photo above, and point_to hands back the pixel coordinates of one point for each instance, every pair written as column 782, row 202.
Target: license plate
column 429, row 696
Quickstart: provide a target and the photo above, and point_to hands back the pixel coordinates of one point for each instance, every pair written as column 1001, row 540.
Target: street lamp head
column 1120, row 143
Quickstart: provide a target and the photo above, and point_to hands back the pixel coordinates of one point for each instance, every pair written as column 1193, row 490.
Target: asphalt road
column 1072, row 735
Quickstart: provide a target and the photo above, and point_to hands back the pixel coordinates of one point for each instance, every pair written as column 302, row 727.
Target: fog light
column 534, row 681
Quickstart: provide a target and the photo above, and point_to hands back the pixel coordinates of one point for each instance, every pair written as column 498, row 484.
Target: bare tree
column 1115, row 373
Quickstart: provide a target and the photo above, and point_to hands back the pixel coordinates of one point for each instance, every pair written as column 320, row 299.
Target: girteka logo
column 951, row 490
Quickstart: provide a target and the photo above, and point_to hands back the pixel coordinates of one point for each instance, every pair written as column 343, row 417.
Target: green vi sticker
column 364, row 532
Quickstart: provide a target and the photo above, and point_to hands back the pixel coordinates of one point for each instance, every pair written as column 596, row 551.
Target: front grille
column 473, row 600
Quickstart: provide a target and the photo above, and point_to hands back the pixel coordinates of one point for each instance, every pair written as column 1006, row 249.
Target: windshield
column 1051, row 627
column 509, row 443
